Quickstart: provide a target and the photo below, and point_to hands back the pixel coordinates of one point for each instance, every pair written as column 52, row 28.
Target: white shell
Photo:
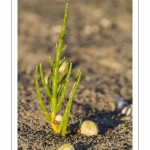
column 127, row 110
column 88, row 128
column 58, row 117
column 120, row 104
column 66, row 147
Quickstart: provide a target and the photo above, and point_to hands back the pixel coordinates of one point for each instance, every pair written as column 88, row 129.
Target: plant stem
column 57, row 63
column 57, row 85
column 64, row 88
column 63, row 124
column 39, row 96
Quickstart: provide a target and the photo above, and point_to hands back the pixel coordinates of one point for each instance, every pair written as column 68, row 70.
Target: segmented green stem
column 39, row 96
column 63, row 124
column 57, row 85
column 61, row 62
column 51, row 63
column 57, row 62
column 48, row 86
column 63, row 74
column 44, row 83
column 60, row 89
column 64, row 89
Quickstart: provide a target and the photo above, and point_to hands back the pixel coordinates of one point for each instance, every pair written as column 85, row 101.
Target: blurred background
column 99, row 40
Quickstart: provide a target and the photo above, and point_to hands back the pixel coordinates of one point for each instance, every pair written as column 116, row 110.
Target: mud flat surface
column 99, row 42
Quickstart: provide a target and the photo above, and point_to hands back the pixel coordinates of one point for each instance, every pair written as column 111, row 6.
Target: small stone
column 66, row 147
column 88, row 128
column 127, row 110
column 58, row 117
column 120, row 104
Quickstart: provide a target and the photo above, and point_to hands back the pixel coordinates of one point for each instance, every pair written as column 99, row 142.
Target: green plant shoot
column 56, row 85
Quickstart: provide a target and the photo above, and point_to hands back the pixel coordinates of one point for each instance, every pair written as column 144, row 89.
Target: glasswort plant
column 56, row 85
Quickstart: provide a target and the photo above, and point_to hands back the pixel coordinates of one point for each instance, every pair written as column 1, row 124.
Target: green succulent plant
column 56, row 85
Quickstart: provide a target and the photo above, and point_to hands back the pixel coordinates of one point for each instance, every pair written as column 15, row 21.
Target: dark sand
column 99, row 42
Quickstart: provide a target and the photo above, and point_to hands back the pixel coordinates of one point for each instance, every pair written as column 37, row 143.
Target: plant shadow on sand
column 104, row 120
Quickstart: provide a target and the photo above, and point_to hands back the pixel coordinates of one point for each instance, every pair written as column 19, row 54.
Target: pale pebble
column 120, row 104
column 127, row 110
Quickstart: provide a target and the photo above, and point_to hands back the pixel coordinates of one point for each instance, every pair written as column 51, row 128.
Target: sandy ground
column 99, row 42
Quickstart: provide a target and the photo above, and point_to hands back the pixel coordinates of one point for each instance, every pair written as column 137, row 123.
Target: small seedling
column 56, row 85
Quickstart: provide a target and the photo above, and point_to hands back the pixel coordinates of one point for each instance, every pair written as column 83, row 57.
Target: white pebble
column 127, row 110
column 120, row 104
column 88, row 128
column 66, row 147
column 58, row 117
